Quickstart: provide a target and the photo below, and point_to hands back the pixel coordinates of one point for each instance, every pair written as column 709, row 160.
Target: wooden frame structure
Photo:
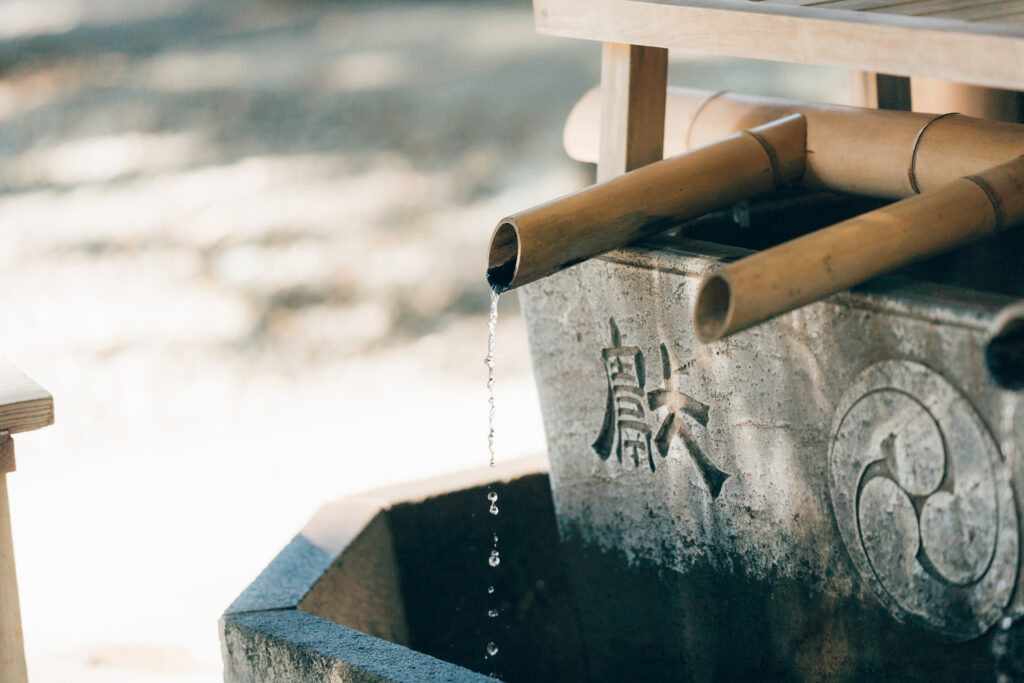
column 979, row 42
column 976, row 42
column 971, row 41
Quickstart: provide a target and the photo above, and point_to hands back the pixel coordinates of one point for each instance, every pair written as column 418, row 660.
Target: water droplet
column 492, row 496
column 490, row 589
column 494, row 560
column 1007, row 623
column 495, row 539
column 492, row 649
column 492, row 613
column 493, row 509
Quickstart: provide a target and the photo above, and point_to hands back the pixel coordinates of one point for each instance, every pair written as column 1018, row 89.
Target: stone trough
column 392, row 586
column 828, row 496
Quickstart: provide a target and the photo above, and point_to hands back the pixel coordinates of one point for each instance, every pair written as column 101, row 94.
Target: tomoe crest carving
column 923, row 500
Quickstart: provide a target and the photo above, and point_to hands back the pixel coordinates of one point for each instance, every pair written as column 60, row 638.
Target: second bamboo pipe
column 1004, row 352
column 886, row 154
column 812, row 267
column 548, row 238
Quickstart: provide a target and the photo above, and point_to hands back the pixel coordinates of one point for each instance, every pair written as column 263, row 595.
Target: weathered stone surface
column 286, row 579
column 922, row 500
column 291, row 645
column 361, row 589
column 442, row 546
column 825, row 496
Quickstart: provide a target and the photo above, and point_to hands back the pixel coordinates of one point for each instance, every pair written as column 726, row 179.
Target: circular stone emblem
column 923, row 501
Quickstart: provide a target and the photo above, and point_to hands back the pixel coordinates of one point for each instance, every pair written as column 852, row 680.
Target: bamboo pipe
column 809, row 268
column 933, row 94
column 1004, row 351
column 548, row 238
column 886, row 154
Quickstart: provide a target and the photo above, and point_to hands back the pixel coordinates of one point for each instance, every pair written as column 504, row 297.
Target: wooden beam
column 987, row 54
column 633, row 83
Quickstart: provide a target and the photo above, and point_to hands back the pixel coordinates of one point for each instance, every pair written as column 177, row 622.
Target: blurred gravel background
column 243, row 245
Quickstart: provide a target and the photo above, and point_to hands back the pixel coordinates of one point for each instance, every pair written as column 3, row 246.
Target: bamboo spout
column 887, row 154
column 1004, row 352
column 553, row 236
column 780, row 279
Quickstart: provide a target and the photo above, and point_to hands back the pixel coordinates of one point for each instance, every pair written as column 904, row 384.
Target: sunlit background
column 242, row 243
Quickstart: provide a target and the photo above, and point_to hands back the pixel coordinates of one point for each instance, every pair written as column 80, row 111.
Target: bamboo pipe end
column 503, row 256
column 712, row 315
column 1004, row 352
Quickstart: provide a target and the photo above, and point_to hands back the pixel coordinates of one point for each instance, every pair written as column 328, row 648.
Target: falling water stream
column 492, row 323
column 494, row 559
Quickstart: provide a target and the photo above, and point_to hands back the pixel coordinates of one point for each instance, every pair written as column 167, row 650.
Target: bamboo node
column 993, row 199
column 696, row 113
column 773, row 159
column 912, row 171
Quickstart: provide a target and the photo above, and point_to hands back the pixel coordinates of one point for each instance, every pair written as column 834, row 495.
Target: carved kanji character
column 625, row 429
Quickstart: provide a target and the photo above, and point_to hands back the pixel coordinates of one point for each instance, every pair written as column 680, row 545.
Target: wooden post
column 633, row 85
column 12, row 650
column 879, row 91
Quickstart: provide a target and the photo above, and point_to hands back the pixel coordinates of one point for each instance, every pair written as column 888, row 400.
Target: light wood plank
column 981, row 53
column 979, row 13
column 633, row 84
column 925, row 7
column 24, row 405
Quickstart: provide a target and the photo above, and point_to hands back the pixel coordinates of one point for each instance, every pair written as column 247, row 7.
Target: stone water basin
column 392, row 586
column 831, row 496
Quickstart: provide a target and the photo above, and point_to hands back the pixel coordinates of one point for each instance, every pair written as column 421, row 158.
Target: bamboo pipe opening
column 1004, row 353
column 503, row 258
column 714, row 308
